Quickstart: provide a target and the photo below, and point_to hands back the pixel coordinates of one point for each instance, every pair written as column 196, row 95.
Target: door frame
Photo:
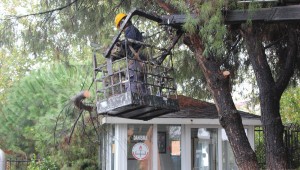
column 186, row 156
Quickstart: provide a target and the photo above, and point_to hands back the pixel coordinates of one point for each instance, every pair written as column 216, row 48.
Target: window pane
column 139, row 147
column 108, row 147
column 169, row 147
column 228, row 161
column 204, row 148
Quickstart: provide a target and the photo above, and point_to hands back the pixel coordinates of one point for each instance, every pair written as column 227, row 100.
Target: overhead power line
column 42, row 12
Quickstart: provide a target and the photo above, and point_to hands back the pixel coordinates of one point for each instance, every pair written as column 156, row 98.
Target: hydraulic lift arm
column 174, row 21
column 168, row 51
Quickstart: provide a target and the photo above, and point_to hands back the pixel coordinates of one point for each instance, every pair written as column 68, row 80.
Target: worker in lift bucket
column 135, row 59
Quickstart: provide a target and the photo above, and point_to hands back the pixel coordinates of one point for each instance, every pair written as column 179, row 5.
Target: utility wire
column 42, row 12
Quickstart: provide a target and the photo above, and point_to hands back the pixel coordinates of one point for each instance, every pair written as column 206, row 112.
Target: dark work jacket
column 132, row 32
column 136, row 78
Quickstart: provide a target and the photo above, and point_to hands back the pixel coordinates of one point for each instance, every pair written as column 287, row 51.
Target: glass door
column 204, row 148
column 139, row 147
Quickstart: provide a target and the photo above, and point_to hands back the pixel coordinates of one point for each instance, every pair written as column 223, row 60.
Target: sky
column 9, row 8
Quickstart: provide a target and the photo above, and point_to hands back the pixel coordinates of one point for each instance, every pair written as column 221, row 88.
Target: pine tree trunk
column 270, row 93
column 229, row 117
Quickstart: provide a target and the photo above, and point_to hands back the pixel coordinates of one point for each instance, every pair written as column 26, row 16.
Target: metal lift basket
column 115, row 97
column 150, row 96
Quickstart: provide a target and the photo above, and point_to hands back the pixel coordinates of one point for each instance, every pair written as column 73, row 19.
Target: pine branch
column 275, row 42
column 117, row 6
column 95, row 128
column 74, row 125
column 57, row 119
column 167, row 6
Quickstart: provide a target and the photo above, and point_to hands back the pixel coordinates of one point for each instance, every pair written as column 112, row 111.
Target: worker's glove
column 118, row 44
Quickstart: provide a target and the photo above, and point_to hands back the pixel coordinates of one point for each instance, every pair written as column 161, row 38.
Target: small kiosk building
column 191, row 138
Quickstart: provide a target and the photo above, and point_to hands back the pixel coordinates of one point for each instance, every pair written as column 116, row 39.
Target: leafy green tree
column 45, row 164
column 14, row 64
column 39, row 106
column 290, row 106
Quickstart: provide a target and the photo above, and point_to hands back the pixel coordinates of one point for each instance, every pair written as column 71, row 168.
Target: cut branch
column 226, row 73
column 78, row 101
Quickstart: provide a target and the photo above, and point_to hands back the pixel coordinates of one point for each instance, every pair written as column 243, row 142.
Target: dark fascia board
column 205, row 113
column 274, row 14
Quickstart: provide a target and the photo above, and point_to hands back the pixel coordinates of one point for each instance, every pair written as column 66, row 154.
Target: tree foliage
column 290, row 106
column 40, row 113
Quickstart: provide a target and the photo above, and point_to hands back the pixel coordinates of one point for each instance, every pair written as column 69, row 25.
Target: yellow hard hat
column 119, row 18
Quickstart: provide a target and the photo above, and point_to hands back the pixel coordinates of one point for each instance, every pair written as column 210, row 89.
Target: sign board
column 140, row 151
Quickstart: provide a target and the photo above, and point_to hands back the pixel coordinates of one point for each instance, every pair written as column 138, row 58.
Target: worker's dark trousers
column 136, row 82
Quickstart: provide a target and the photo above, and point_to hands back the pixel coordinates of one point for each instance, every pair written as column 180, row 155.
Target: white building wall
column 121, row 141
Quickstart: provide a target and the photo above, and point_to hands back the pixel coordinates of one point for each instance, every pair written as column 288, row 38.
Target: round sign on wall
column 140, row 151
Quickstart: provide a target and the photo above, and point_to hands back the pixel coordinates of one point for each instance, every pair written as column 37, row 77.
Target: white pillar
column 186, row 148
column 2, row 160
column 121, row 147
column 251, row 137
column 155, row 148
